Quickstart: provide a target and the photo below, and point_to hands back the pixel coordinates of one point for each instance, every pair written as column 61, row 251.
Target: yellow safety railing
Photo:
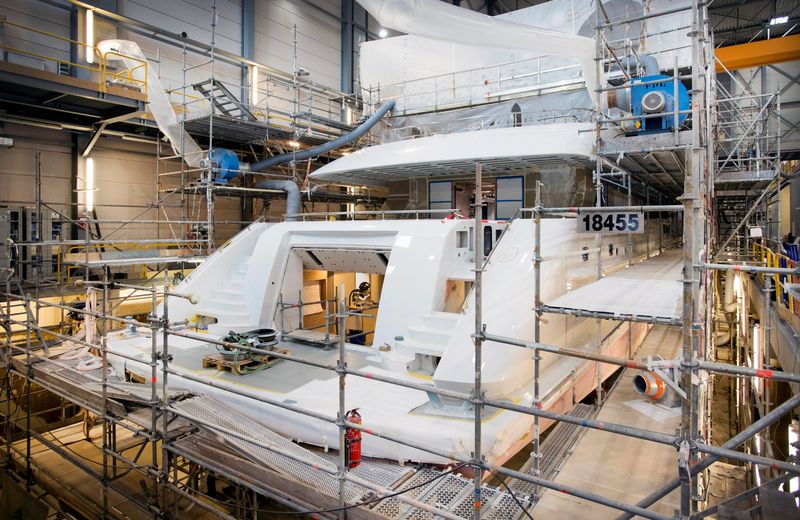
column 769, row 258
column 124, row 75
column 105, row 76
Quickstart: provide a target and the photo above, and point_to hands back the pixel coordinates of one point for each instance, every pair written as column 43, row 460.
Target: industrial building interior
column 406, row 259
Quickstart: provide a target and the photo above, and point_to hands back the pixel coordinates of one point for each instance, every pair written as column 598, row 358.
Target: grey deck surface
column 649, row 288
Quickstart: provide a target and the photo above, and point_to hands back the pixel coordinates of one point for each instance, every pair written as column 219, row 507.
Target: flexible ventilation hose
column 340, row 141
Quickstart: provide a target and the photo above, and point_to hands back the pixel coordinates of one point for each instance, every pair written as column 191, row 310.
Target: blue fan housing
column 656, row 98
column 227, row 164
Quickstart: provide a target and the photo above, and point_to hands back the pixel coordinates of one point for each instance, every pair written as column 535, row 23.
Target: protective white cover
column 413, row 62
column 442, row 21
column 157, row 100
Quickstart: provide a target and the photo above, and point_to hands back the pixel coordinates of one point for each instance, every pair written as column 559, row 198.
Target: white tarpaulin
column 419, row 61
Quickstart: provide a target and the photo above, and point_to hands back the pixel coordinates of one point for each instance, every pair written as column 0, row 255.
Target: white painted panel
column 194, row 18
column 318, row 37
column 40, row 16
column 18, row 166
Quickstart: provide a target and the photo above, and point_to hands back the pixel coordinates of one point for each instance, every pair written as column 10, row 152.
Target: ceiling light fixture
column 89, row 36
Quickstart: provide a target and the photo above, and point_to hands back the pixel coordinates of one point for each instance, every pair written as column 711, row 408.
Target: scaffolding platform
column 142, row 260
column 233, row 130
column 273, row 471
column 62, row 377
column 603, row 462
column 649, row 292
column 313, row 337
column 78, row 492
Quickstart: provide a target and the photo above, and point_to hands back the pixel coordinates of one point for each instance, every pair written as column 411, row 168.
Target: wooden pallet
column 255, row 361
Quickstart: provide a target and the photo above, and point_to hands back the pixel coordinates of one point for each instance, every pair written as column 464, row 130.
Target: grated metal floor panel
column 554, row 449
column 383, row 473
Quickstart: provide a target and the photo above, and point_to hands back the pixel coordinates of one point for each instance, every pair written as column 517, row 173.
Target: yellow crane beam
column 756, row 54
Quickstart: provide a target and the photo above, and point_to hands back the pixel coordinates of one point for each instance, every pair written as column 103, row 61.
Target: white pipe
column 157, row 100
column 444, row 21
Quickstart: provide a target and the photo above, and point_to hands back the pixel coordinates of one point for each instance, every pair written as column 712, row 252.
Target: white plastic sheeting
column 157, row 100
column 442, row 21
column 651, row 288
column 429, row 72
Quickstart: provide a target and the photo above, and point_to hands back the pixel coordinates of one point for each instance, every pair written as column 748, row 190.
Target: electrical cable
column 513, row 496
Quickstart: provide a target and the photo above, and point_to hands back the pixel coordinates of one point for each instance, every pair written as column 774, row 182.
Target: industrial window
column 440, row 195
column 487, row 240
column 510, row 193
column 516, row 114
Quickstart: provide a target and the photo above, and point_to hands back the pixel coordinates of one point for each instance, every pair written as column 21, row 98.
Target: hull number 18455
column 621, row 222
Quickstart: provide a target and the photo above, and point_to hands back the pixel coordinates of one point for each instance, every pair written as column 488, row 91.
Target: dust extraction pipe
column 290, row 187
column 649, row 64
column 327, row 147
column 443, row 21
column 292, row 195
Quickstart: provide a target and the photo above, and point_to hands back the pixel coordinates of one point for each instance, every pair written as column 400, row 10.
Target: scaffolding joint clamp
column 684, row 454
column 692, row 365
column 479, row 400
column 481, row 335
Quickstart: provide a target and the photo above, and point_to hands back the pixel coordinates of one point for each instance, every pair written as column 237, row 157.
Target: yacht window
column 462, row 239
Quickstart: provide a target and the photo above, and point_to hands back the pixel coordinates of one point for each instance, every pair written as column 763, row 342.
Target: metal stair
column 223, row 100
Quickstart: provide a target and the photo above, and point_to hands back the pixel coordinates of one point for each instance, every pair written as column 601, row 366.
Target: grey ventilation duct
column 340, row 141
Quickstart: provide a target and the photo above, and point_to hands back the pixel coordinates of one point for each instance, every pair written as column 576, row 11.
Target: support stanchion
column 477, row 394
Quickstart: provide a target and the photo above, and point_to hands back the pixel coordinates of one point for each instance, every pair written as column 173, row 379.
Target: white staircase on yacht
column 431, row 336
column 226, row 303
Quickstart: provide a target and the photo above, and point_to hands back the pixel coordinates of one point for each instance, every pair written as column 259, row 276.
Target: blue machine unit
column 227, row 164
column 656, row 98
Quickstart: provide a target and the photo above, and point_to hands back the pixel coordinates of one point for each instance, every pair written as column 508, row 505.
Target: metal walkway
column 554, row 450
column 451, row 492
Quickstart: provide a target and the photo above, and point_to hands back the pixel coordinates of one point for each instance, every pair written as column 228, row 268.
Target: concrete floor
column 603, row 462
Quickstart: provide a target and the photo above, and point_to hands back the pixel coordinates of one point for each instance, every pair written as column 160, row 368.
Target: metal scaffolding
column 172, row 469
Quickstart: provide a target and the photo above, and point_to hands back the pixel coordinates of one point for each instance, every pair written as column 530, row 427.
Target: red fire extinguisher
column 352, row 440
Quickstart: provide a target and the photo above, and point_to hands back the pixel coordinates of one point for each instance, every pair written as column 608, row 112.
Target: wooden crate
column 244, row 366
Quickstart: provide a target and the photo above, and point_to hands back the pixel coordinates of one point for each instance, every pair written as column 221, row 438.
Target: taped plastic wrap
column 561, row 107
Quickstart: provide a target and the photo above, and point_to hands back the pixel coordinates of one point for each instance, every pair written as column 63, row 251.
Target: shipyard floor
column 603, row 462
